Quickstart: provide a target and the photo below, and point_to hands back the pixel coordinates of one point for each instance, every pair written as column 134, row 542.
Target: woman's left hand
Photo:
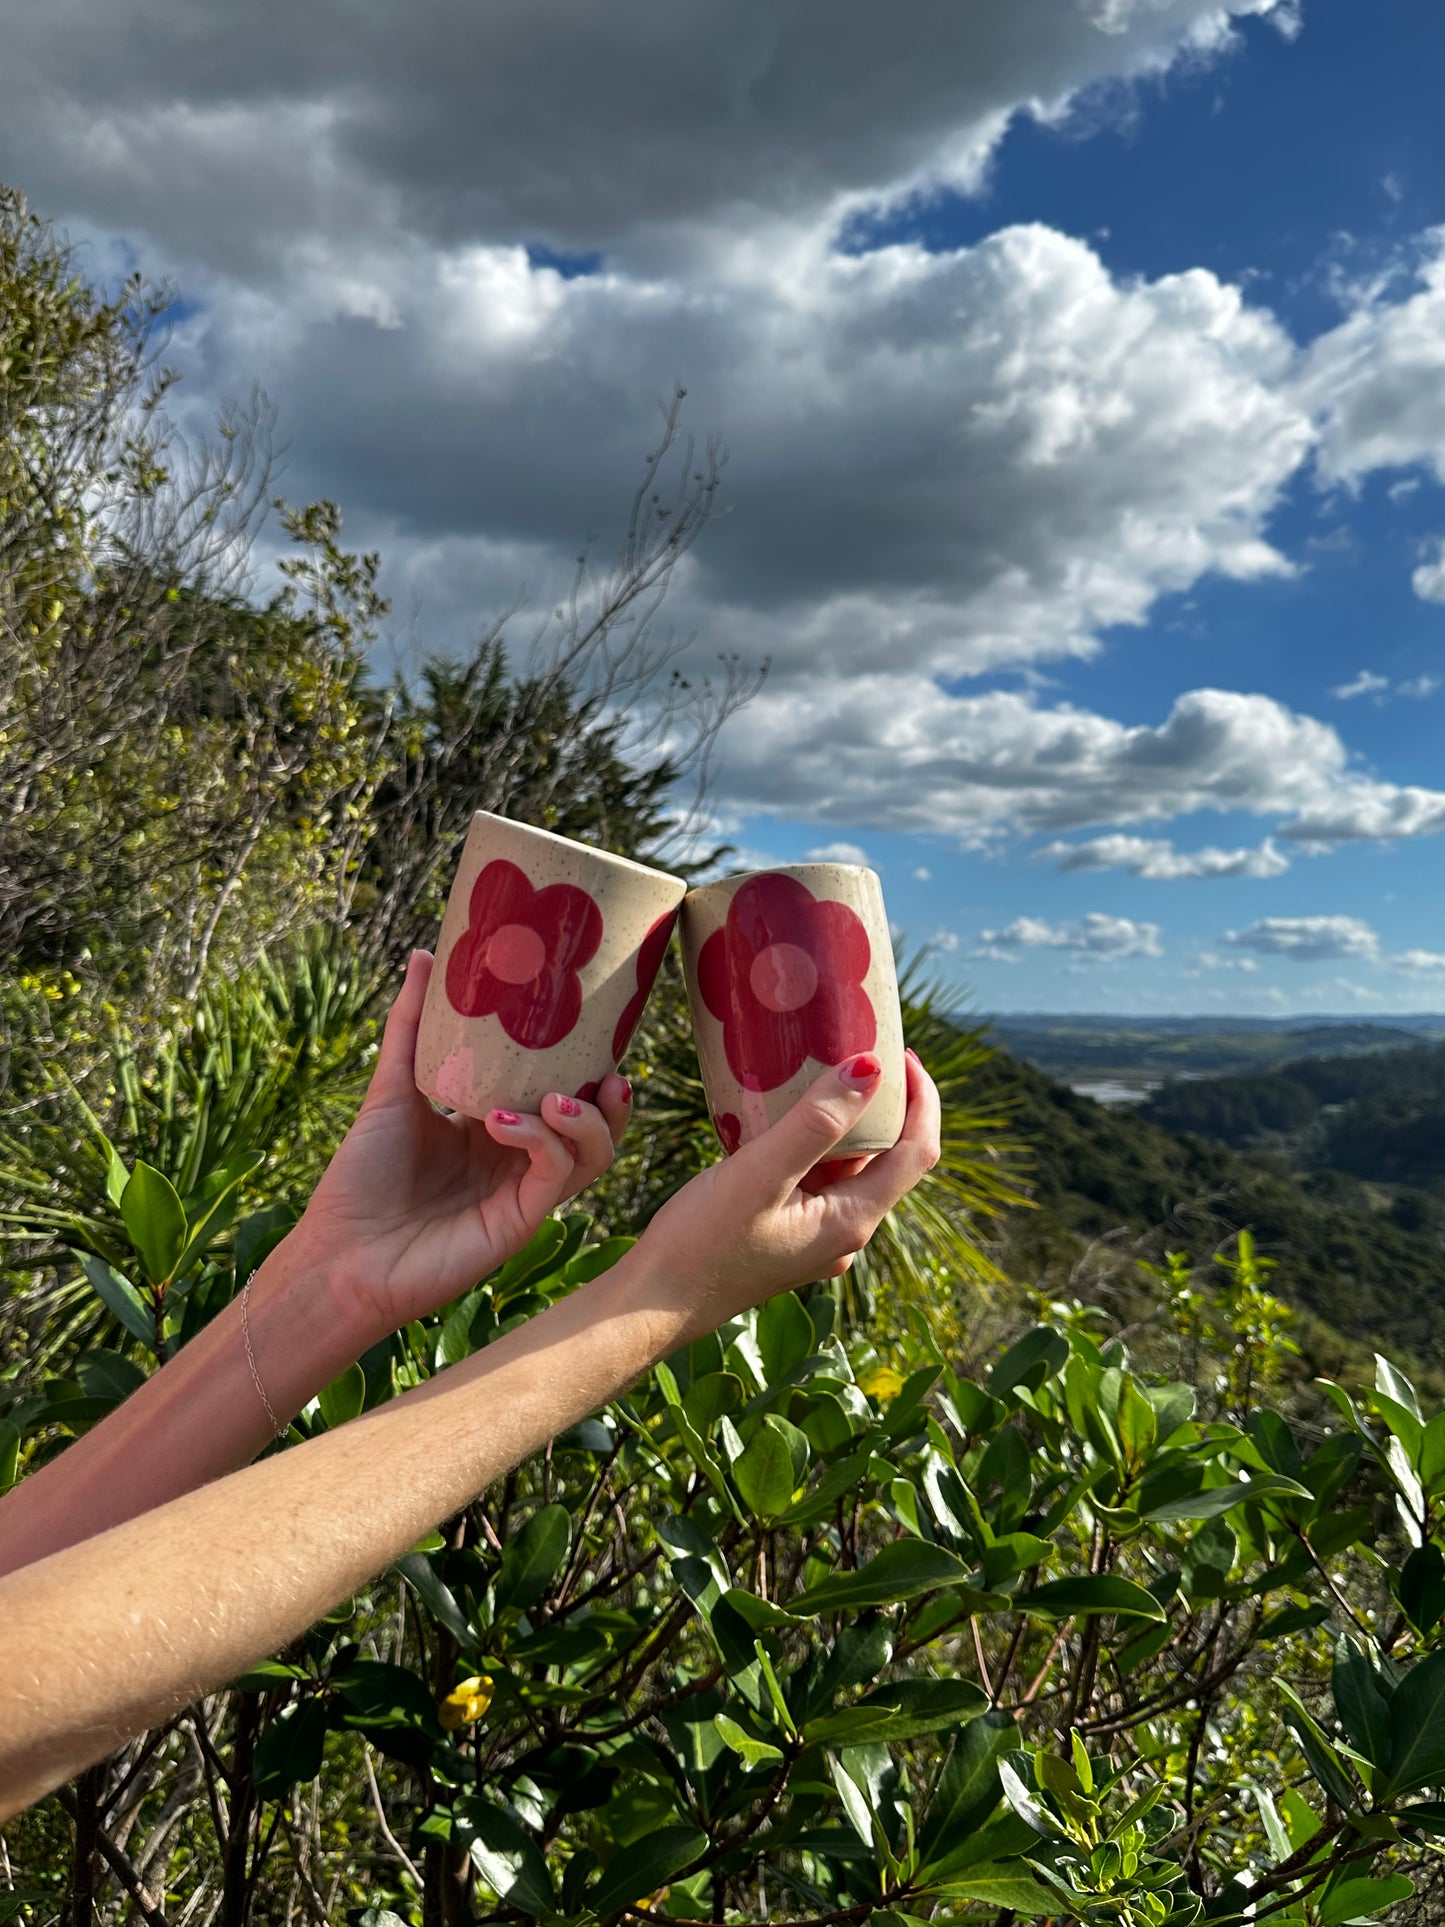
column 416, row 1207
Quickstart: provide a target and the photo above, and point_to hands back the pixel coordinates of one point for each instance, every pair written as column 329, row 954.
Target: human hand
column 763, row 1220
column 415, row 1207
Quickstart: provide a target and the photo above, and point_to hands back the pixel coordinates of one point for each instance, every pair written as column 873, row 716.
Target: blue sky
column 1291, row 167
column 1078, row 363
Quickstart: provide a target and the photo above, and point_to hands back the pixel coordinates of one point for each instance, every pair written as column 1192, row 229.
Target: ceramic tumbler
column 547, row 952
column 790, row 971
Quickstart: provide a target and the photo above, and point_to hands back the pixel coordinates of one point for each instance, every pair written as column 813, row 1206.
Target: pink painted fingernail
column 626, row 1091
column 862, row 1070
column 910, row 1052
column 568, row 1106
column 506, row 1117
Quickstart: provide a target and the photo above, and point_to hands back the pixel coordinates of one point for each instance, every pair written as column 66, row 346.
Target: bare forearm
column 199, row 1417
column 173, row 1603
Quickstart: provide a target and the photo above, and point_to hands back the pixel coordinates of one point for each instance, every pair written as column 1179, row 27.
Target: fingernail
column 862, row 1070
column 568, row 1106
column 506, row 1117
column 910, row 1052
column 626, row 1091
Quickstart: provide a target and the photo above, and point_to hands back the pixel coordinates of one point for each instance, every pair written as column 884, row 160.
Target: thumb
column 395, row 1073
column 823, row 1115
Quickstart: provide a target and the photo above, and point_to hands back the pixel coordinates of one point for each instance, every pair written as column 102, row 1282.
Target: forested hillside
column 1380, row 1118
column 1375, row 1275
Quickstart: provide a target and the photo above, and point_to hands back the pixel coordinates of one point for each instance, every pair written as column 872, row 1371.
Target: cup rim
column 607, row 857
column 801, row 870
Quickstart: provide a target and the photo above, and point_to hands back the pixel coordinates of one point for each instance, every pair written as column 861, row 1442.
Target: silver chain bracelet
column 276, row 1426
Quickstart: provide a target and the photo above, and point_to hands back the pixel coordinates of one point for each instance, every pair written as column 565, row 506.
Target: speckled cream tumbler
column 547, row 952
column 790, row 971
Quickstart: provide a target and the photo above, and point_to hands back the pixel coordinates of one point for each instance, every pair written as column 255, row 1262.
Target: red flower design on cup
column 520, row 954
column 784, row 976
column 729, row 1129
column 649, row 962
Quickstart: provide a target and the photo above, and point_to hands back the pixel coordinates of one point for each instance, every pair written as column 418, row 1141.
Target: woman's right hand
column 750, row 1226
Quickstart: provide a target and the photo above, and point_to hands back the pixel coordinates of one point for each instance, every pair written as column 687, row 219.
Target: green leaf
column 1096, row 1592
column 750, row 1751
column 532, row 1556
column 968, row 1789
column 156, row 1223
column 14, row 1900
column 1138, row 1422
column 420, row 1574
column 593, row 1260
column 209, row 1208
column 1002, row 1886
column 1209, row 1503
column 289, row 1751
column 785, row 1335
column 708, row 1398
column 764, row 1473
column 1362, row 1703
column 1324, row 1762
column 643, row 1866
column 507, row 1858
column 1031, row 1361
column 376, row 1694
column 900, row 1571
column 9, row 1454
column 455, row 1342
column 1395, row 1384
column 120, row 1298
column 1422, row 1587
column 267, row 1674
column 902, row 1711
column 343, row 1398
column 257, row 1236
column 1362, row 1899
column 112, row 1375
column 1026, row 1806
column 1417, row 1721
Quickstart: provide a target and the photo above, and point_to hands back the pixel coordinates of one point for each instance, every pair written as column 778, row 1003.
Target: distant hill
column 1135, row 1053
column 1342, row 1255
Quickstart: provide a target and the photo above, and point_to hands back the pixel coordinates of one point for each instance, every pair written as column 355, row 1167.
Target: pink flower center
column 783, row 977
column 515, row 953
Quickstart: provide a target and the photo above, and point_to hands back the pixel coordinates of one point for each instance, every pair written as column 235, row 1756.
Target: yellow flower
column 466, row 1702
column 881, row 1381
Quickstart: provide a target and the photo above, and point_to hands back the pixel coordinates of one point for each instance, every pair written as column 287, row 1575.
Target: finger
column 545, row 1182
column 395, row 1073
column 614, row 1100
column 584, row 1129
column 826, row 1112
column 890, row 1176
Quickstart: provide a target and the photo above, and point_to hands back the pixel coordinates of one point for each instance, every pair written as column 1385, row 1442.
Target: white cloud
column 1428, row 581
column 1419, row 960
column 1367, row 683
column 941, row 463
column 840, row 853
column 1159, row 861
column 898, row 753
column 922, row 874
column 1211, row 960
column 1380, row 689
column 1307, row 939
column 1374, row 382
column 457, row 125
column 1094, row 935
column 945, row 940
